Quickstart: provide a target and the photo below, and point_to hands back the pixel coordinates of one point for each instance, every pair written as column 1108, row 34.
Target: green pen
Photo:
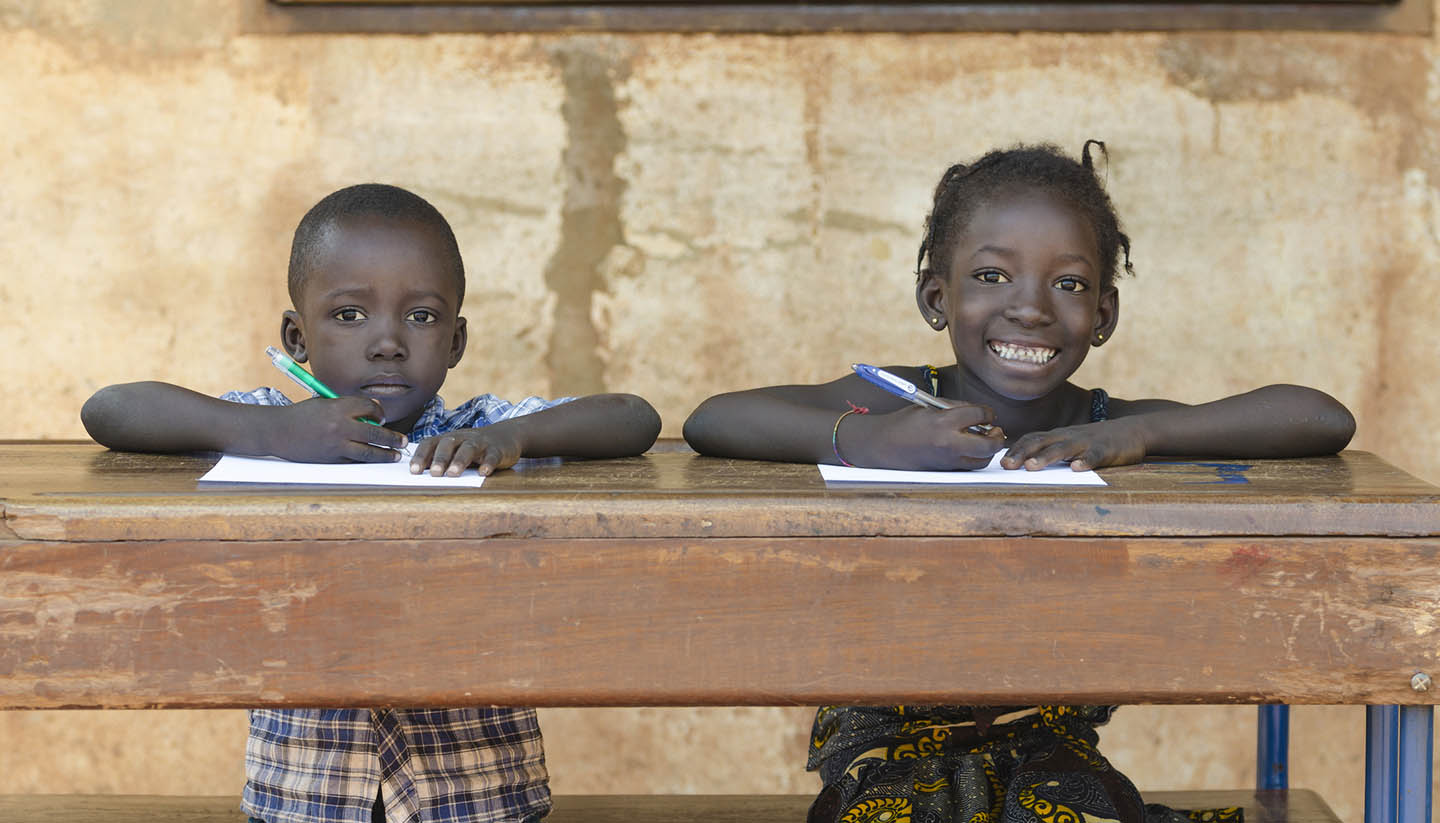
column 282, row 361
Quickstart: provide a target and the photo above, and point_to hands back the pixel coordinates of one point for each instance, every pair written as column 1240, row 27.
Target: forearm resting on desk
column 600, row 425
column 1269, row 422
column 159, row 417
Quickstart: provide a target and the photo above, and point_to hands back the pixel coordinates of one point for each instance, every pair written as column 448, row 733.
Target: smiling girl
column 1018, row 266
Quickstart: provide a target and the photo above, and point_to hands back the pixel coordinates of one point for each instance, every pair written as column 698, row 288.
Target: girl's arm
column 600, row 425
column 797, row 424
column 1274, row 421
column 159, row 417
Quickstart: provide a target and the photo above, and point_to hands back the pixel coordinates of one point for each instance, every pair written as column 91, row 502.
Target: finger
column 463, row 459
column 502, row 458
column 1023, row 448
column 376, row 411
column 962, row 417
column 444, row 450
column 379, row 436
column 366, row 453
column 1087, row 460
column 361, row 409
column 1052, row 453
column 422, row 455
column 487, row 462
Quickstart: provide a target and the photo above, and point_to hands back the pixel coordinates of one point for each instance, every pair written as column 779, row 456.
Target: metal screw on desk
column 1420, row 682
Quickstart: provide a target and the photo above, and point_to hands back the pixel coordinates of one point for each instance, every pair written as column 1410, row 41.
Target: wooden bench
column 678, row 580
column 1260, row 807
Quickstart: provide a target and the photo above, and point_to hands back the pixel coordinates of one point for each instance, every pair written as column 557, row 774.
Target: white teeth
column 1024, row 354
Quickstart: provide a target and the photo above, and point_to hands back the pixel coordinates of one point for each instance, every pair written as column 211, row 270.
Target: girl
column 1017, row 265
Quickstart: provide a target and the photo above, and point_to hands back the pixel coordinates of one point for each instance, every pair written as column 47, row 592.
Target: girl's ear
column 930, row 298
column 1107, row 316
column 292, row 336
column 457, row 342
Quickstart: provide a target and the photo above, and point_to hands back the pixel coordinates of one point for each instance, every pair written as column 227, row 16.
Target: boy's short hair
column 366, row 200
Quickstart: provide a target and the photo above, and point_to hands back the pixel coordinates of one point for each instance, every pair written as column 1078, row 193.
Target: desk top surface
column 80, row 491
column 672, row 579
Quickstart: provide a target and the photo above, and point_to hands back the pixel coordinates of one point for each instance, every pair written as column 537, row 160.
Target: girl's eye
column 991, row 276
column 349, row 315
column 422, row 316
column 1071, row 284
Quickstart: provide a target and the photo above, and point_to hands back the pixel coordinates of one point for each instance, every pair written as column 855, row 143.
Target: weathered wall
column 681, row 215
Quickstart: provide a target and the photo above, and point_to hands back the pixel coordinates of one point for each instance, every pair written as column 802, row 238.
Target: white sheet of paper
column 1059, row 474
column 235, row 469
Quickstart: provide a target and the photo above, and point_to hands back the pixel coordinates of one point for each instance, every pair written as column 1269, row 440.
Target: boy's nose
column 387, row 345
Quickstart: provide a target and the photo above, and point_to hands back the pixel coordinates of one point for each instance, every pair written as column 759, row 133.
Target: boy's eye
column 1072, row 284
column 991, row 276
column 349, row 314
column 423, row 316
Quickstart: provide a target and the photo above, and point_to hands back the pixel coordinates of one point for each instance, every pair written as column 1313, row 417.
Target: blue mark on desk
column 1226, row 472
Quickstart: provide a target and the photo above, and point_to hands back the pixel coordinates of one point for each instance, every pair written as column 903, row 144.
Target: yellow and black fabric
column 975, row 764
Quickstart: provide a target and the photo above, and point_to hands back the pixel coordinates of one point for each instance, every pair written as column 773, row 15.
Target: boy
column 377, row 281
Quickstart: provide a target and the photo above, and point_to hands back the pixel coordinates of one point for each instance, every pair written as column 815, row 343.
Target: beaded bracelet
column 835, row 433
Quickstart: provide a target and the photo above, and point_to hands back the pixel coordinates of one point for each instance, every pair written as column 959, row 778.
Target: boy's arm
column 159, row 417
column 797, row 424
column 600, row 425
column 1274, row 421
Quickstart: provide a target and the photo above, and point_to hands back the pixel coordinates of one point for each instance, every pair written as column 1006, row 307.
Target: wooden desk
column 677, row 580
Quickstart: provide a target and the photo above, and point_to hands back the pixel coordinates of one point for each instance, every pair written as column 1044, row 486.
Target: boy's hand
column 921, row 439
column 1089, row 446
column 330, row 431
column 489, row 449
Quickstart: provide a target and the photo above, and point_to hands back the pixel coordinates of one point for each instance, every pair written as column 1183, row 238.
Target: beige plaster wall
column 681, row 215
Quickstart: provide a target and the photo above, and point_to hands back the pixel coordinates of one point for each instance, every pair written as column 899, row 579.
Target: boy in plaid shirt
column 377, row 281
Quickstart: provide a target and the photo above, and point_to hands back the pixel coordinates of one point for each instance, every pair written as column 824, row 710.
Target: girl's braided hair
column 963, row 189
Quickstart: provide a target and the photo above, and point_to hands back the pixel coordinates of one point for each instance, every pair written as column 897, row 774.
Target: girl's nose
column 1030, row 305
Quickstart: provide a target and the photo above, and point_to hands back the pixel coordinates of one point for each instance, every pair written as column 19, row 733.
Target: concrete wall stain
column 590, row 223
column 1383, row 77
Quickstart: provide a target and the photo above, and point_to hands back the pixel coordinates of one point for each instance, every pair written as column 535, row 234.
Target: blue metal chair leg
column 1382, row 737
column 1272, row 748
column 1417, row 755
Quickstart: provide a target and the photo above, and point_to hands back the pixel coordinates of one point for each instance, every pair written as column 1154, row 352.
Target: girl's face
column 1022, row 298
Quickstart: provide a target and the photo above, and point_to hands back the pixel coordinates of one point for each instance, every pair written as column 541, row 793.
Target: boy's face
column 378, row 316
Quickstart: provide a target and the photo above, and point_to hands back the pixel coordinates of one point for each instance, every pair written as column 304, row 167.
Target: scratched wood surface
column 74, row 491
column 1260, row 807
column 677, row 580
column 717, row 621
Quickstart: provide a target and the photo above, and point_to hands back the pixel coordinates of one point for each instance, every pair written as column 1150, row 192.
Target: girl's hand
column 921, row 439
column 489, row 449
column 1090, row 446
column 321, row 430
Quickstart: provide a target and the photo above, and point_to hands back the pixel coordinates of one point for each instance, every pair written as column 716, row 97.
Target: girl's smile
column 1021, row 353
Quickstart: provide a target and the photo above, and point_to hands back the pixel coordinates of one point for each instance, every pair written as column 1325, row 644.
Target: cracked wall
column 682, row 215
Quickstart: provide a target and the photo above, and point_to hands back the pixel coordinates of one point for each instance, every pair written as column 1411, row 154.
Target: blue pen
column 900, row 387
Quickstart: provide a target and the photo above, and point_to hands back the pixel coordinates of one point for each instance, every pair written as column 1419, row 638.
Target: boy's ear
column 930, row 298
column 292, row 335
column 457, row 342
column 1107, row 316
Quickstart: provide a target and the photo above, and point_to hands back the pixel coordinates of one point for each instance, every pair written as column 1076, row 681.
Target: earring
column 1100, row 335
column 934, row 321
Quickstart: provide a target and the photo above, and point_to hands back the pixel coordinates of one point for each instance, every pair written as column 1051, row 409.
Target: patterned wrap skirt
column 975, row 764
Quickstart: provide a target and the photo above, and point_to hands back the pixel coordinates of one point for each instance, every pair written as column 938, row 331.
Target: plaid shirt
column 435, row 765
